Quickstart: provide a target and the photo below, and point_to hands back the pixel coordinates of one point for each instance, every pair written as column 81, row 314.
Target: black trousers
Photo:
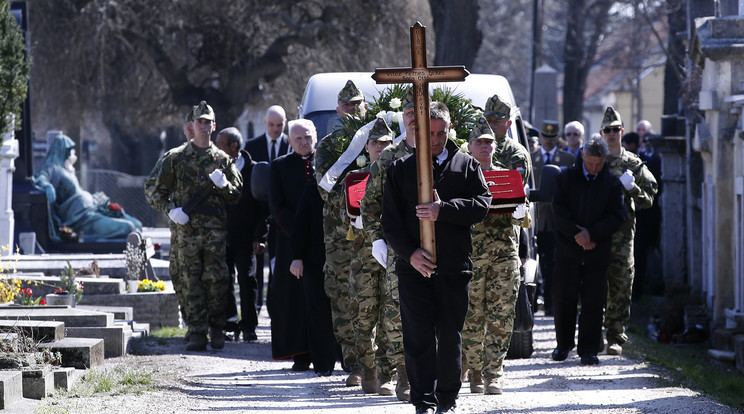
column 240, row 259
column 574, row 282
column 320, row 335
column 545, row 248
column 433, row 311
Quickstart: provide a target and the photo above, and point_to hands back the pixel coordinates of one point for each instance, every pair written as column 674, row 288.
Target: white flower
column 397, row 117
column 361, row 161
column 452, row 134
column 381, row 114
column 395, row 103
column 464, row 147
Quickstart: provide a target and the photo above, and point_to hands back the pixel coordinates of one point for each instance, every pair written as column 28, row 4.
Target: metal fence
column 128, row 191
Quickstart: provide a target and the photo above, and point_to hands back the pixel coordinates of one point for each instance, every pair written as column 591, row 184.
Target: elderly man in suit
column 548, row 153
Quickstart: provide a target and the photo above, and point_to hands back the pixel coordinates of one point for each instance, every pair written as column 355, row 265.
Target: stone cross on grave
column 420, row 75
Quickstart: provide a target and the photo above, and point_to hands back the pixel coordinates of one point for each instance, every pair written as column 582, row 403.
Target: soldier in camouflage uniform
column 371, row 207
column 367, row 281
column 173, row 270
column 640, row 187
column 198, row 170
column 495, row 283
column 338, row 248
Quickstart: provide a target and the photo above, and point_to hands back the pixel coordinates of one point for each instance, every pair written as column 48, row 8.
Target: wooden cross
column 420, row 75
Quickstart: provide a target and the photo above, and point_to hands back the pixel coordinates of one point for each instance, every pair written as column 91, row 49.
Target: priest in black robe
column 289, row 176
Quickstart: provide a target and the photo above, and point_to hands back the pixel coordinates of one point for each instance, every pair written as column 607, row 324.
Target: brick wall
column 157, row 309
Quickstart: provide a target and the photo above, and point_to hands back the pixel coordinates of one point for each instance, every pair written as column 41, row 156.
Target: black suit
column 257, row 147
column 286, row 302
column 582, row 274
column 648, row 228
column 246, row 223
column 433, row 309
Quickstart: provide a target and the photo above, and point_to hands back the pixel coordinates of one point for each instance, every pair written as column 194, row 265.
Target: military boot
column 355, row 377
column 402, row 388
column 369, row 380
column 218, row 338
column 385, row 384
column 476, row 382
column 197, row 342
column 494, row 385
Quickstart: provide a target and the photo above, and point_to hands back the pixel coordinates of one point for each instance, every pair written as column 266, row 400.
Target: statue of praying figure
column 71, row 207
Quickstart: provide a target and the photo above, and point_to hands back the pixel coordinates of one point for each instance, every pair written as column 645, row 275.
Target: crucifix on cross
column 420, row 75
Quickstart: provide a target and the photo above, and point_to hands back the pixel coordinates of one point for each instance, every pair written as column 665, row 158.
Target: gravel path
column 242, row 378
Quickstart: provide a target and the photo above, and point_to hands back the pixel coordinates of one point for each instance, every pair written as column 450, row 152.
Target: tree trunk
column 457, row 35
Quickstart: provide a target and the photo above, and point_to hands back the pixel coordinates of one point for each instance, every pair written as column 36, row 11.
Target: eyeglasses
column 568, row 134
column 607, row 130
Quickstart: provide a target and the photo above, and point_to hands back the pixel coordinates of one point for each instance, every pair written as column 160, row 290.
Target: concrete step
column 157, row 309
column 40, row 331
column 64, row 377
column 72, row 317
column 44, row 285
column 115, row 338
column 79, row 353
column 112, row 264
column 38, row 383
column 11, row 388
column 120, row 312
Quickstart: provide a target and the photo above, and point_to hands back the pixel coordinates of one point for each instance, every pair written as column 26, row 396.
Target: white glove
column 627, row 180
column 218, row 178
column 520, row 212
column 380, row 251
column 357, row 222
column 178, row 216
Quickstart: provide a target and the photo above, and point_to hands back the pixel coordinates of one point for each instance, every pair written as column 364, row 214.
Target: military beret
column 481, row 129
column 380, row 131
column 611, row 118
column 203, row 111
column 350, row 93
column 550, row 129
column 497, row 108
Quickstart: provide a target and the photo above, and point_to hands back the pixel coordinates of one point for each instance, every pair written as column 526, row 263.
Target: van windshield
column 320, row 119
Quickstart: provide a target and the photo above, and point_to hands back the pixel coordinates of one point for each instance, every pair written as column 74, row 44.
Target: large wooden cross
column 420, row 75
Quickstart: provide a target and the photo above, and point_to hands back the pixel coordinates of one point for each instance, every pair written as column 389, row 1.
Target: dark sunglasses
column 607, row 130
column 568, row 134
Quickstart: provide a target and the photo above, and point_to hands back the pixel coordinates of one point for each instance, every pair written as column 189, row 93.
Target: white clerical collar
column 441, row 157
column 240, row 162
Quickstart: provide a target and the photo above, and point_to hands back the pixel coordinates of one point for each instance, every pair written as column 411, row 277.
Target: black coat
column 596, row 205
column 259, row 150
column 465, row 200
column 246, row 220
column 307, row 231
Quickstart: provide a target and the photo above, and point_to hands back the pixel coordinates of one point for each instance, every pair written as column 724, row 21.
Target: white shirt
column 551, row 152
column 240, row 162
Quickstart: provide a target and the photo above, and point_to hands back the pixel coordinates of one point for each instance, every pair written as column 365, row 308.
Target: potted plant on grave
column 25, row 297
column 135, row 264
column 69, row 292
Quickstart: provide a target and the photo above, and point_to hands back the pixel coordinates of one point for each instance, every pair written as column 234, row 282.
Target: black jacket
column 246, row 221
column 307, row 231
column 258, row 148
column 465, row 200
column 596, row 205
column 289, row 174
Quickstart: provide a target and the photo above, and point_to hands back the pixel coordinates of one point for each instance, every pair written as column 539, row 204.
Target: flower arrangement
column 68, row 285
column 26, row 297
column 9, row 287
column 148, row 285
column 135, row 262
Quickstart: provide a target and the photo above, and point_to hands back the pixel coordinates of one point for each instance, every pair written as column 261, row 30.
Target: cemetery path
column 242, row 378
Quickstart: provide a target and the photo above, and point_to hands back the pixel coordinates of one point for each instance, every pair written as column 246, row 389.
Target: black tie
column 590, row 177
column 547, row 158
column 273, row 150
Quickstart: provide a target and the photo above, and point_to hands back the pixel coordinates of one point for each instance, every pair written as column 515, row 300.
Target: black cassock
column 308, row 246
column 289, row 176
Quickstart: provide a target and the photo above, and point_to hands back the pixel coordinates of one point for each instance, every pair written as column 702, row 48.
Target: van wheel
column 521, row 345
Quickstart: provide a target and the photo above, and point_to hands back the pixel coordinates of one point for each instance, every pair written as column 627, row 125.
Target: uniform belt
column 208, row 211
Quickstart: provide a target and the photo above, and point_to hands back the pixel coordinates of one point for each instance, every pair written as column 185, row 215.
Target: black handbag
column 524, row 319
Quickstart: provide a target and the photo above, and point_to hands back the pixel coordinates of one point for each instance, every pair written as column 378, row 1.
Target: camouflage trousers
column 175, row 275
column 391, row 321
column 336, row 270
column 490, row 319
column 205, row 284
column 620, row 276
column 367, row 280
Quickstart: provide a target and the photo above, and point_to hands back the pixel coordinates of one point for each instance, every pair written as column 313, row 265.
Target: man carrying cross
column 434, row 295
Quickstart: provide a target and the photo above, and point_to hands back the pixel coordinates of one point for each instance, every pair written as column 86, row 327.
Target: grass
column 160, row 336
column 690, row 365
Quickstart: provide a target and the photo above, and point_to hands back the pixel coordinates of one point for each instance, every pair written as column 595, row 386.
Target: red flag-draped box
column 506, row 189
column 355, row 185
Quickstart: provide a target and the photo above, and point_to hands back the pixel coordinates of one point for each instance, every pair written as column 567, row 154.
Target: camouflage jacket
column 182, row 172
column 371, row 203
column 513, row 156
column 496, row 238
column 640, row 196
column 329, row 149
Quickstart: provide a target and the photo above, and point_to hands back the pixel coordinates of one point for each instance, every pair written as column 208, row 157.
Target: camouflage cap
column 408, row 99
column 380, row 131
column 481, row 129
column 190, row 114
column 611, row 118
column 550, row 129
column 497, row 108
column 350, row 93
column 203, row 111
